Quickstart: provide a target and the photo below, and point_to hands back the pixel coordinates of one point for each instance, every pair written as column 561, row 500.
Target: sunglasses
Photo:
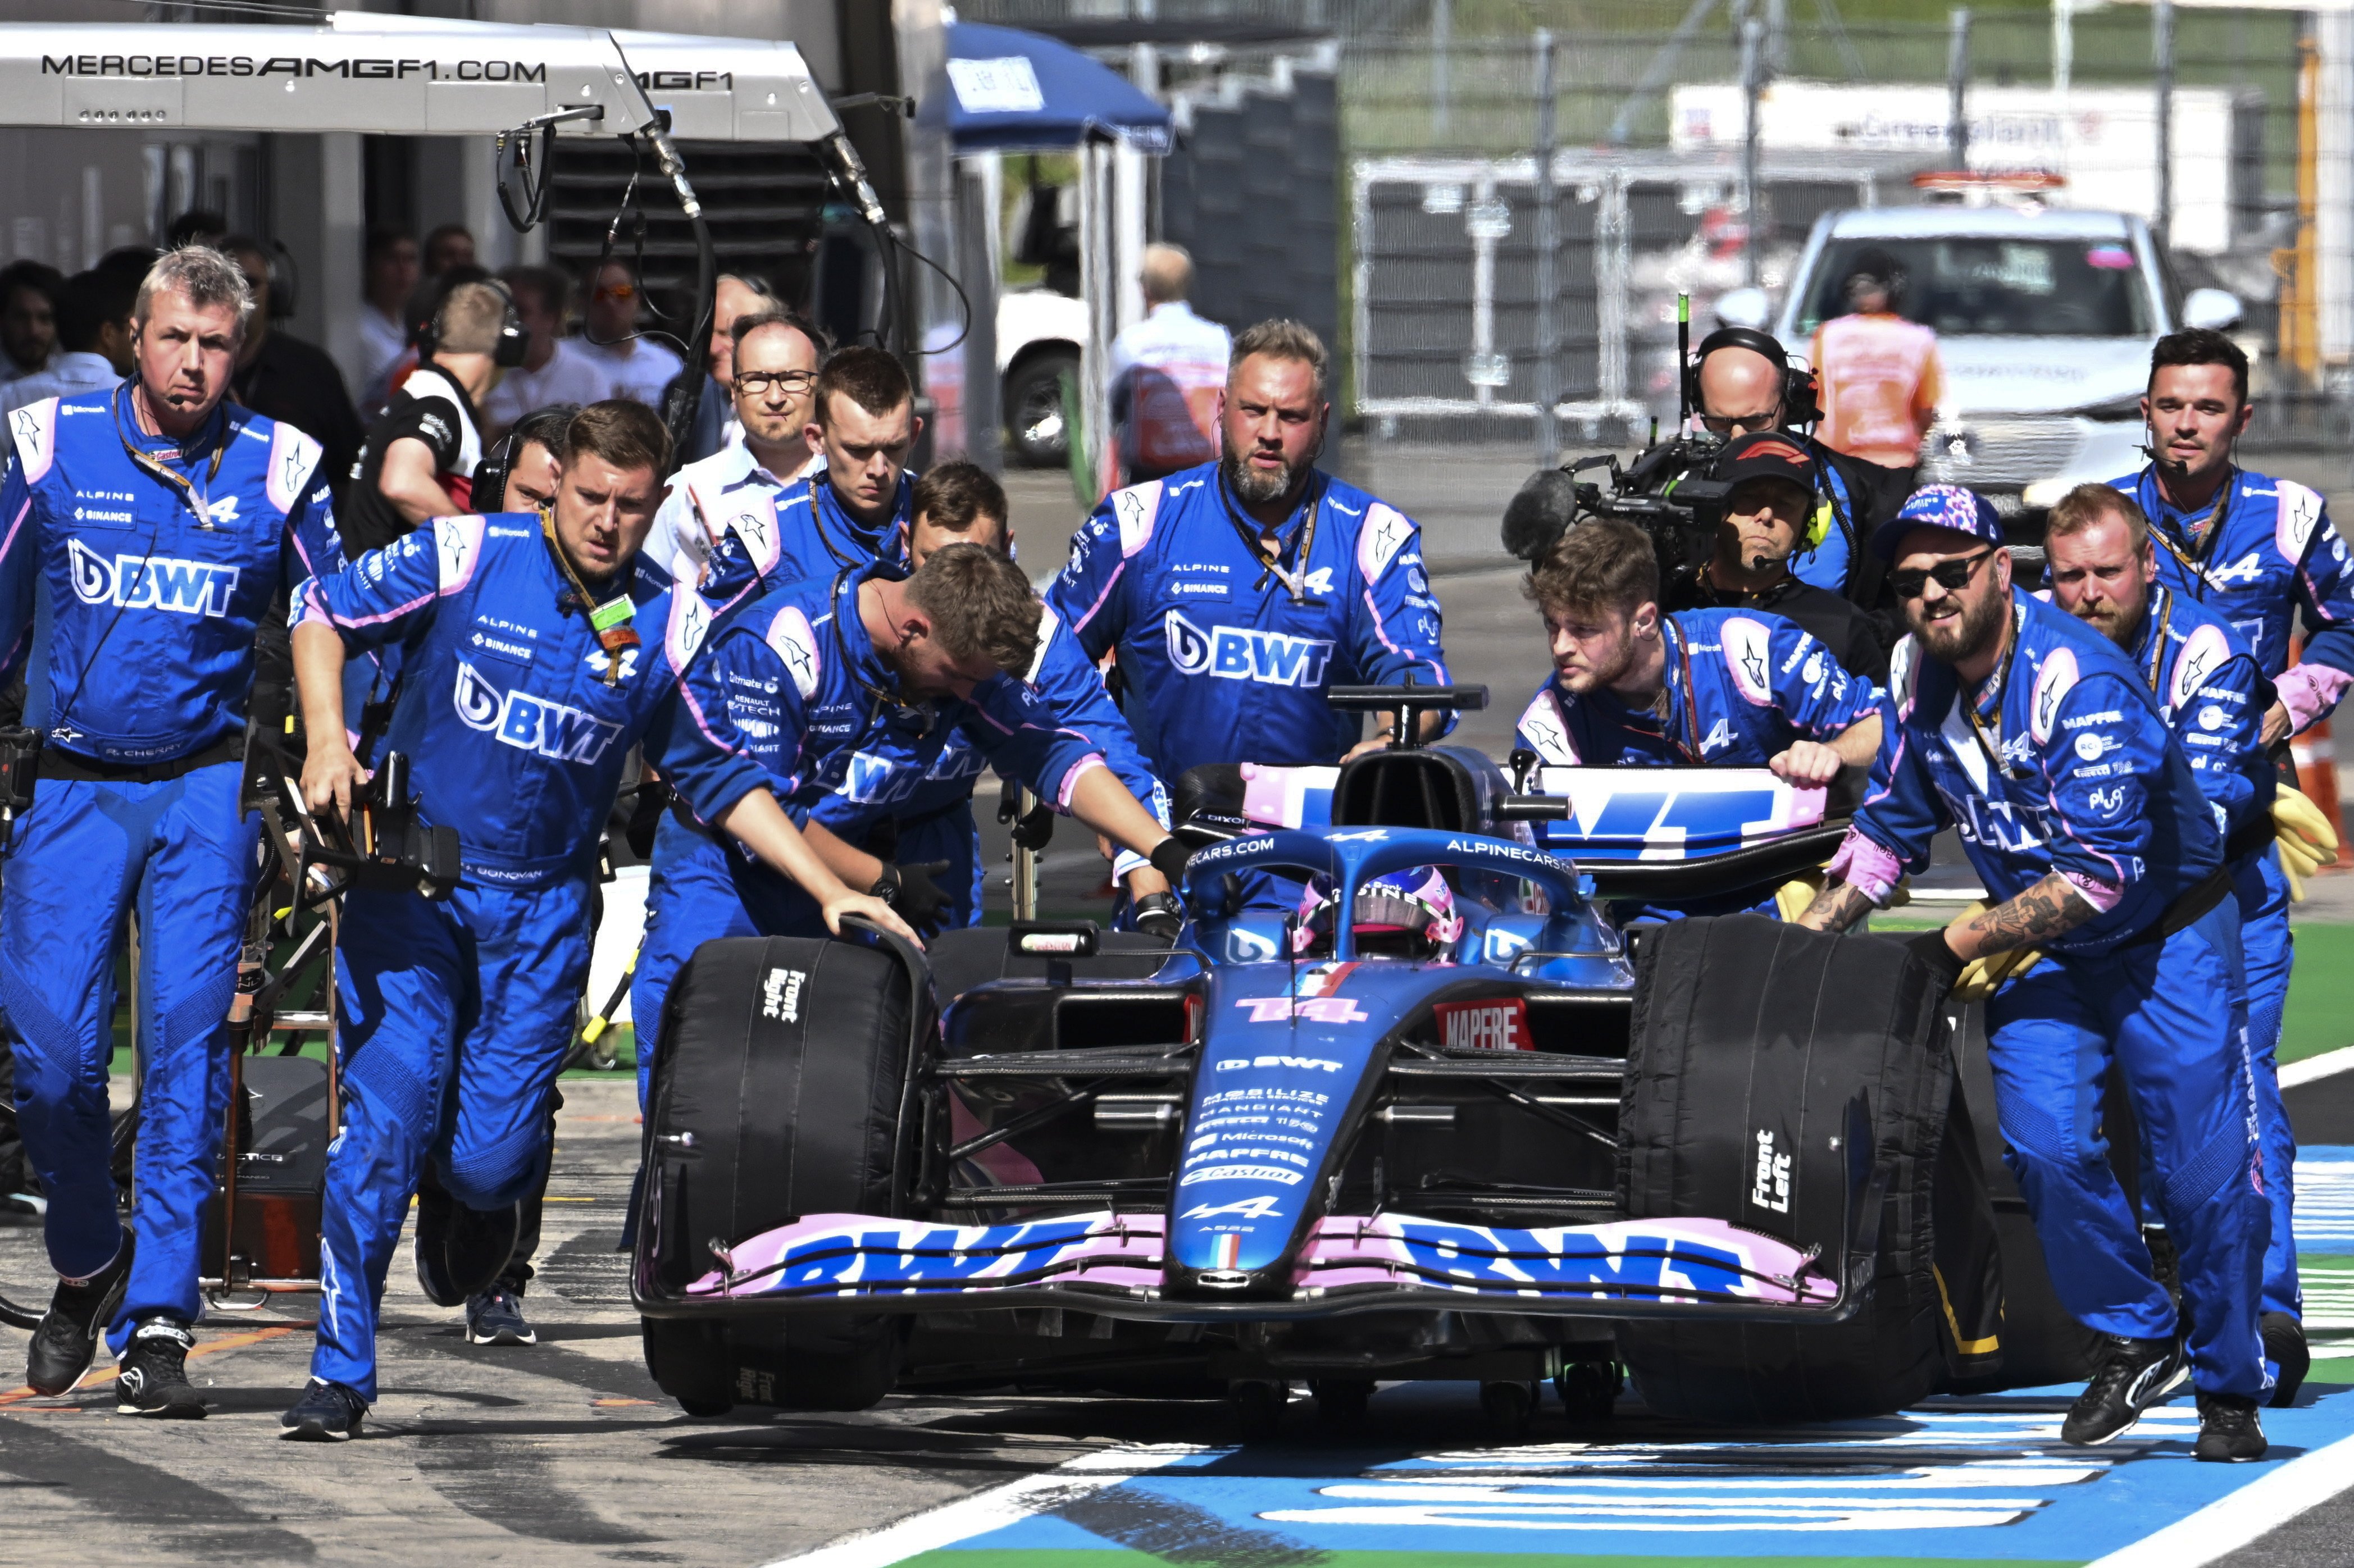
column 619, row 292
column 1952, row 575
column 758, row 381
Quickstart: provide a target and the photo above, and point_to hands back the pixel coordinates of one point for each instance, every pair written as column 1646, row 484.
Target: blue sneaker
column 494, row 1317
column 327, row 1413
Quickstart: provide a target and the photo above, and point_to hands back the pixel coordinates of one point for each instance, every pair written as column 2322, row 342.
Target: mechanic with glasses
column 2105, row 571
column 2040, row 742
column 1633, row 687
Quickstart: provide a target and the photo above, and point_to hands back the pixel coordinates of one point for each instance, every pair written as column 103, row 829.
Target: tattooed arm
column 1836, row 908
column 2050, row 908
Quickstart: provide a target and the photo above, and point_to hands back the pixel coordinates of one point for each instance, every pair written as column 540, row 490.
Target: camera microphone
column 1540, row 514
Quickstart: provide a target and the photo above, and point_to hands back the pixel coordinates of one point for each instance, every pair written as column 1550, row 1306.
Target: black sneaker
column 2285, row 1348
column 152, row 1379
column 68, row 1337
column 2133, row 1375
column 494, row 1317
column 2229, row 1432
column 327, row 1413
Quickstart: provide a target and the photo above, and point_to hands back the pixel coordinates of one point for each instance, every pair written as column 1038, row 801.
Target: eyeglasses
column 1952, row 575
column 758, row 381
column 619, row 292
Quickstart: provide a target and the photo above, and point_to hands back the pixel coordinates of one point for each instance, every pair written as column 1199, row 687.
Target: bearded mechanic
column 2037, row 739
column 2204, row 676
column 150, row 526
column 529, row 676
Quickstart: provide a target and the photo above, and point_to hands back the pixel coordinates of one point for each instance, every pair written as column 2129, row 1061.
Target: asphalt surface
column 565, row 1452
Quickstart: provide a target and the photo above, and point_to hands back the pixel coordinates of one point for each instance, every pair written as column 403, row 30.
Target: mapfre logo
column 151, row 582
column 1247, row 653
column 529, row 723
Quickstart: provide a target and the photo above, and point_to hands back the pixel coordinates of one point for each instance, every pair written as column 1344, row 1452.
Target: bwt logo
column 151, row 582
column 1247, row 653
column 1233, row 1063
column 533, row 723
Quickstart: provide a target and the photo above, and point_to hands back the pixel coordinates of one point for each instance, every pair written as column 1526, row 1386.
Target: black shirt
column 430, row 407
column 1852, row 636
column 296, row 384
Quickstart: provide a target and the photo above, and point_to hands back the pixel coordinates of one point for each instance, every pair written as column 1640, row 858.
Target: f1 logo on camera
column 531, row 723
column 151, row 582
column 1247, row 653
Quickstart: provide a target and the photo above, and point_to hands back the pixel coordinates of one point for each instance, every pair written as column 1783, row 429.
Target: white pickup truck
column 2044, row 321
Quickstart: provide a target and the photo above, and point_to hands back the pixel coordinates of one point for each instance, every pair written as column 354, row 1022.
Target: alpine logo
column 1247, row 653
column 1260, row 1206
column 1721, row 734
column 529, row 723
column 151, row 582
column 780, row 995
column 1769, row 1189
column 2249, row 569
column 1315, row 1009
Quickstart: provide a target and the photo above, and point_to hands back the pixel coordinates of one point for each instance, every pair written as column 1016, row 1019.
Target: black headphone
column 514, row 339
column 285, row 280
column 1801, row 403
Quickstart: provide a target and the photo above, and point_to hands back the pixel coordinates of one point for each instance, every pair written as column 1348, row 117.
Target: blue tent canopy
column 1014, row 92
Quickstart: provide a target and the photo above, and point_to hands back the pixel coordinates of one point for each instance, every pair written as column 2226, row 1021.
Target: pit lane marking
column 2240, row 1517
column 203, row 1348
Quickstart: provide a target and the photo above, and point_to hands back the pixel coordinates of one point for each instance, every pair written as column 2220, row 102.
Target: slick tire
column 781, row 1091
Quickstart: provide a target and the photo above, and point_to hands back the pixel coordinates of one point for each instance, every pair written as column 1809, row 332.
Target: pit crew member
column 151, row 526
column 841, row 693
column 419, row 459
column 2034, row 736
column 527, row 680
column 1237, row 592
column 2204, row 676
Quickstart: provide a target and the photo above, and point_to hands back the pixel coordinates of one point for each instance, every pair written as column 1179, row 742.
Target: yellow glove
column 1981, row 978
column 2303, row 836
column 1790, row 899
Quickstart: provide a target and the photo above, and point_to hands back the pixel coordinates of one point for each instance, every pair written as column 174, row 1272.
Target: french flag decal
column 1229, row 1252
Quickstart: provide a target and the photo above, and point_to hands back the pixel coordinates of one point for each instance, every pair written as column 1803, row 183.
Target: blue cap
column 1939, row 506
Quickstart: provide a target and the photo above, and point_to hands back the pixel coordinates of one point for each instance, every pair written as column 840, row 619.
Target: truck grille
column 2002, row 453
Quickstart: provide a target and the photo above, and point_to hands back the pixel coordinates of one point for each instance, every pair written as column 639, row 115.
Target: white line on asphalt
column 2328, row 1064
column 2238, row 1517
column 997, row 1508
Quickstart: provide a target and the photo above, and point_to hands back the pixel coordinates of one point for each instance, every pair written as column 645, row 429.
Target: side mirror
column 2212, row 309
column 1744, row 308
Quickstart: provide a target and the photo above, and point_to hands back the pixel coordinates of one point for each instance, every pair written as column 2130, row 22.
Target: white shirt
column 636, row 368
column 570, row 375
column 384, row 339
column 1173, row 365
column 11, row 371
column 69, row 374
column 727, row 476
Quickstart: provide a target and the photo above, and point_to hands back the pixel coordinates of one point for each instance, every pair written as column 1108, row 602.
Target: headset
column 507, row 353
column 1801, row 402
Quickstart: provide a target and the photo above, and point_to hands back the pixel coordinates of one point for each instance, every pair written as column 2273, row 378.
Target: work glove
column 910, row 891
column 1159, row 915
column 1982, row 977
column 2304, row 838
column 1790, row 899
column 1944, row 964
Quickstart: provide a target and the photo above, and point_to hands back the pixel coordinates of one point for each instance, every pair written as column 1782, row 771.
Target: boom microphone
column 1541, row 512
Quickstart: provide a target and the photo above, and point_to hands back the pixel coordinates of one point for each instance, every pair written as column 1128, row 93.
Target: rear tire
column 1341, row 1401
column 1506, row 1409
column 1588, row 1389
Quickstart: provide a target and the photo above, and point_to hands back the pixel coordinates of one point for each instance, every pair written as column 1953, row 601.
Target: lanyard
column 868, row 552
column 915, row 719
column 611, row 620
column 1294, row 583
column 1690, row 746
column 179, row 484
column 2157, row 623
column 1996, row 686
column 2194, row 559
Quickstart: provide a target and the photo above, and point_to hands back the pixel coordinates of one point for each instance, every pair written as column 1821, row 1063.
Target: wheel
column 1341, row 1401
column 690, row 1361
column 1588, row 1389
column 1258, row 1407
column 1506, row 1408
column 706, row 1406
column 1033, row 408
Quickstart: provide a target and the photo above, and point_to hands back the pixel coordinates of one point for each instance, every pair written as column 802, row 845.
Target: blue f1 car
column 1403, row 1101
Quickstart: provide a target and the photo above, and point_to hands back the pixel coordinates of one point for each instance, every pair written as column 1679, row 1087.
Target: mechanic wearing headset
column 1237, row 592
column 1632, row 687
column 841, row 693
column 152, row 525
column 419, row 463
column 1741, row 380
column 538, row 679
column 2204, row 676
column 2040, row 741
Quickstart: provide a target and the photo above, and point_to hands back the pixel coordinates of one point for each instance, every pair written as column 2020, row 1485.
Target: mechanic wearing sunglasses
column 2036, row 738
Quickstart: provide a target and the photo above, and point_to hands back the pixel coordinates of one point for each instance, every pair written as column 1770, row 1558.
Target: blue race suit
column 794, row 694
column 129, row 594
column 1741, row 686
column 1227, row 658
column 2263, row 550
column 2062, row 763
column 457, row 1015
column 745, row 530
column 2206, row 682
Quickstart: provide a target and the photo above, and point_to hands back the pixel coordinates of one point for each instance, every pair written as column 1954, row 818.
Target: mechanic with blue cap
column 1633, row 687
column 840, row 696
column 2038, row 739
column 526, row 681
column 2203, row 675
column 150, row 526
column 1236, row 593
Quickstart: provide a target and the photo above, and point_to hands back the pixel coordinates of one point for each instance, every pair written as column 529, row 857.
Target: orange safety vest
column 1881, row 384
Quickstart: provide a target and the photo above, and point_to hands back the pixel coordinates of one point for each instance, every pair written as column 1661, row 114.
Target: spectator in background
column 29, row 323
column 94, row 331
column 717, row 424
column 293, row 382
column 391, row 278
column 1879, row 373
column 554, row 369
column 195, row 227
column 1167, row 371
column 420, row 460
column 635, row 368
column 452, row 245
